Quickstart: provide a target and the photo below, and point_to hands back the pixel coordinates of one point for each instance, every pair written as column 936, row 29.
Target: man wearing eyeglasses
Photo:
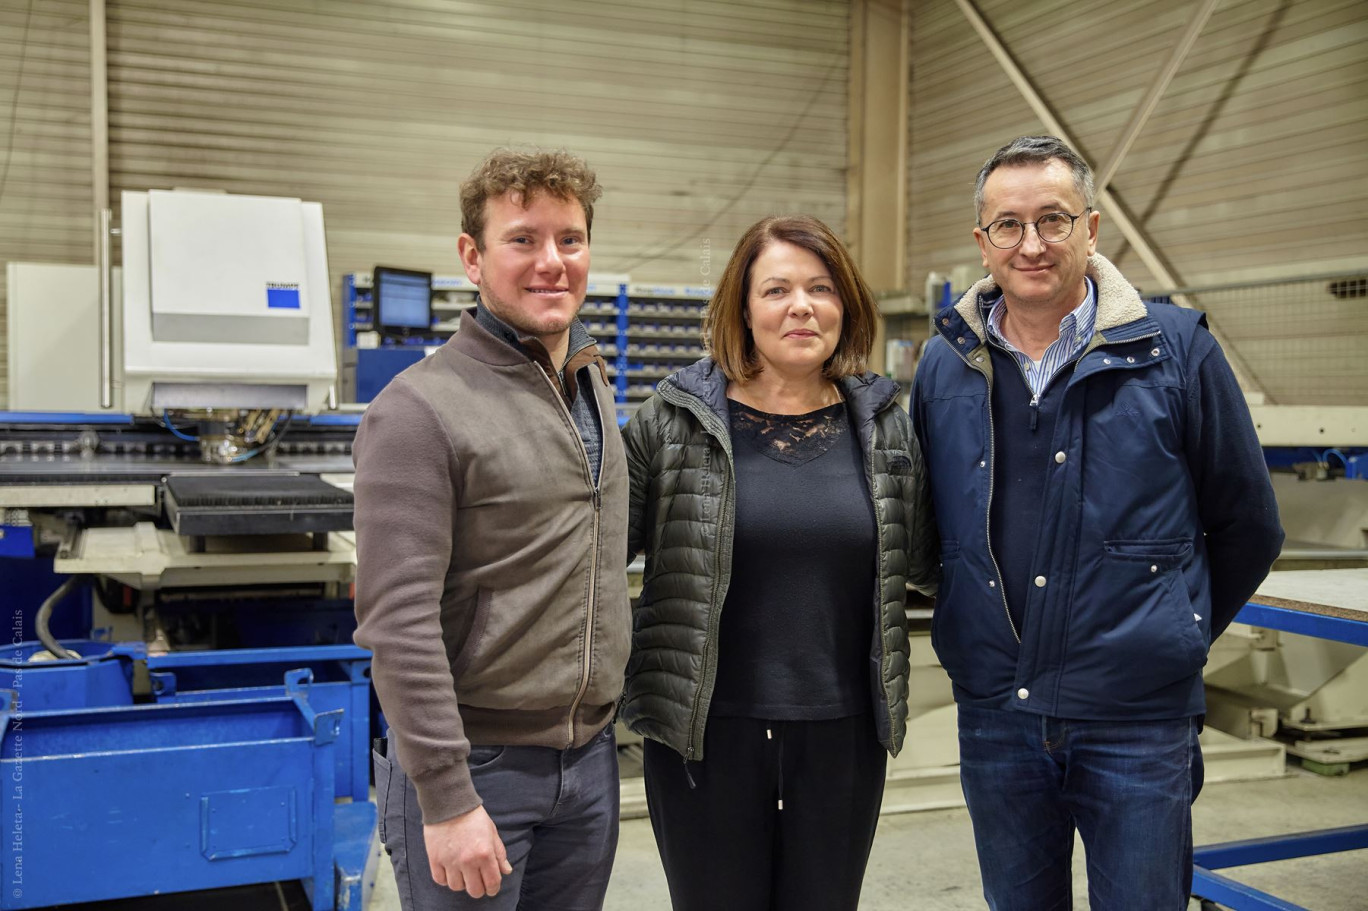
column 1104, row 512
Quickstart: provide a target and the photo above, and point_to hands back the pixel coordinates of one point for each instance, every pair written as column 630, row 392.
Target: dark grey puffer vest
column 682, row 510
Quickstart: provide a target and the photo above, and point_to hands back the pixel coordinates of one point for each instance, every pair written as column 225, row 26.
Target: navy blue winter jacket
column 1157, row 523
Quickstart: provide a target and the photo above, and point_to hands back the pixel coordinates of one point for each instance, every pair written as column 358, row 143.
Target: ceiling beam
column 1156, row 91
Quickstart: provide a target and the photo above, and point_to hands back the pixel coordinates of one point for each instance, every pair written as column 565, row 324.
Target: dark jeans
column 1128, row 787
column 556, row 811
column 725, row 843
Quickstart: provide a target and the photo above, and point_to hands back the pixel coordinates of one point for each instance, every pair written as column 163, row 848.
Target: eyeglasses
column 1054, row 228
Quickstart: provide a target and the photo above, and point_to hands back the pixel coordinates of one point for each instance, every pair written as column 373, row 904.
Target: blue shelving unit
column 645, row 332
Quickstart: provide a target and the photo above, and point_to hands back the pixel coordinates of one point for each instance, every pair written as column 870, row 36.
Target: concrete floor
column 925, row 861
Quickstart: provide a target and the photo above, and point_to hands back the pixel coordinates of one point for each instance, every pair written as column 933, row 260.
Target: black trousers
column 726, row 842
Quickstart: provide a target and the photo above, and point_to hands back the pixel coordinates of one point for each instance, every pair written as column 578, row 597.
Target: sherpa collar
column 1118, row 303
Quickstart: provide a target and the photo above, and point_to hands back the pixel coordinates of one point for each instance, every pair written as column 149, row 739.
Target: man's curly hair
column 556, row 173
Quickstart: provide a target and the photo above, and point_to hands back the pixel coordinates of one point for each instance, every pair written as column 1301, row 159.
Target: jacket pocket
column 945, row 595
column 970, row 630
column 1147, row 635
column 383, row 774
column 1165, row 552
column 471, row 646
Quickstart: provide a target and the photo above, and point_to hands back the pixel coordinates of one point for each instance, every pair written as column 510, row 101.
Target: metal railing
column 1303, row 340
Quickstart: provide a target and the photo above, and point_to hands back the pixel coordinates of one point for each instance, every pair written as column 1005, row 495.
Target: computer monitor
column 403, row 301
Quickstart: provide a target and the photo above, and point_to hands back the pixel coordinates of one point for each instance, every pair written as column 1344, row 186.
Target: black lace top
column 789, row 438
column 797, row 625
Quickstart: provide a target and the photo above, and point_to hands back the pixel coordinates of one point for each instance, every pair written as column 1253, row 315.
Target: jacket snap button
column 1130, row 360
column 1106, row 360
column 1023, row 693
column 945, row 321
column 960, row 340
column 992, row 583
column 1154, row 352
column 1040, row 581
column 981, row 464
column 979, row 359
column 1154, row 568
column 1060, row 457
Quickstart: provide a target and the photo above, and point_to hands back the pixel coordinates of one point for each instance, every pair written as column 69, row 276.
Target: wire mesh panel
column 1305, row 340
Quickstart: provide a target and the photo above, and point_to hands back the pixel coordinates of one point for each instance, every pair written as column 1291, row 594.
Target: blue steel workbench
column 1326, row 604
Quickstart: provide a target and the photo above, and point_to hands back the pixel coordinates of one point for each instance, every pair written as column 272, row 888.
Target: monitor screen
column 403, row 300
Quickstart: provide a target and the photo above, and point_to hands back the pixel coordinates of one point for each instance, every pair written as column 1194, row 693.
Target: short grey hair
column 1035, row 150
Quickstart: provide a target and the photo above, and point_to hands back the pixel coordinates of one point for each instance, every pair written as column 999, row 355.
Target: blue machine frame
column 186, row 771
column 1235, row 895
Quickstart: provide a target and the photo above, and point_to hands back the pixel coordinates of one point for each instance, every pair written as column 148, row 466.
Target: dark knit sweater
column 1022, row 432
column 797, row 627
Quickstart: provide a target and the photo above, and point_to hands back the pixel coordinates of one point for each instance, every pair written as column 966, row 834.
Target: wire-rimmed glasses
column 1053, row 228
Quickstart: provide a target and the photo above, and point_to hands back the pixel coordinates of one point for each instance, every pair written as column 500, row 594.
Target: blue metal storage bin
column 134, row 800
column 341, row 680
column 101, row 676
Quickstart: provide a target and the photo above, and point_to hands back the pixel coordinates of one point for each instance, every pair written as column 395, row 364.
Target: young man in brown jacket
column 491, row 515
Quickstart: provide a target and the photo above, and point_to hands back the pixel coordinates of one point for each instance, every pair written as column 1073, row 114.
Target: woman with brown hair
column 777, row 493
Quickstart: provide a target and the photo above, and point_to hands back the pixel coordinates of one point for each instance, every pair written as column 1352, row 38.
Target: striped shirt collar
column 1075, row 329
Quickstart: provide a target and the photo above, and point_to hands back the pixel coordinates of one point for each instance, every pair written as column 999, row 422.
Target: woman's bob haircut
column 725, row 333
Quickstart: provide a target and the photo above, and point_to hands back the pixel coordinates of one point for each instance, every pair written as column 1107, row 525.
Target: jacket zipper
column 710, row 423
column 589, row 618
column 597, row 499
column 988, row 517
column 878, row 572
column 1035, row 396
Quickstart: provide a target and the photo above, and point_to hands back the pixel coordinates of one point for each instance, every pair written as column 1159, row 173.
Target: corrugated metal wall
column 1252, row 166
column 699, row 116
column 45, row 196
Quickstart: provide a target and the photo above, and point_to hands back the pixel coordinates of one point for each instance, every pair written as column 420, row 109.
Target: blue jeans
column 556, row 812
column 1127, row 786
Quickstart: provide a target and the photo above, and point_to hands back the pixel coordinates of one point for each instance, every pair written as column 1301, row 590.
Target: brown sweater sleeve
column 405, row 497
